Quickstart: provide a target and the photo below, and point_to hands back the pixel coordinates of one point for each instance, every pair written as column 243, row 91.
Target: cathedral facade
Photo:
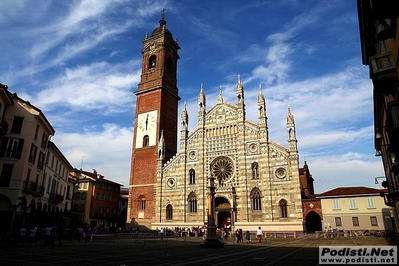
column 257, row 180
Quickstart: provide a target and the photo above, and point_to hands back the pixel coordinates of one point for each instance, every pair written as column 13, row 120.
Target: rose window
column 222, row 169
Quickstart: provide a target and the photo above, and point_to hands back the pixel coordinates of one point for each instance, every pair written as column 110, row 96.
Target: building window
column 192, row 176
column 352, row 204
column 283, row 208
column 5, row 176
column 373, row 220
column 40, row 160
column 146, row 141
column 169, row 212
column 370, row 203
column 44, row 140
column 355, row 221
column 169, row 65
column 37, row 131
column 255, row 170
column 11, row 148
column 142, row 202
column 338, row 221
column 17, row 125
column 83, row 196
column 256, row 199
column 32, row 154
column 192, row 202
column 81, row 207
column 335, row 204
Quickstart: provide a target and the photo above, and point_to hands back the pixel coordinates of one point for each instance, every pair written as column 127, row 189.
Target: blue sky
column 80, row 63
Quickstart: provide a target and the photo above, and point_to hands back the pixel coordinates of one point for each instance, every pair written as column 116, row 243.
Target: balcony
column 383, row 73
column 3, row 127
column 56, row 198
column 32, row 188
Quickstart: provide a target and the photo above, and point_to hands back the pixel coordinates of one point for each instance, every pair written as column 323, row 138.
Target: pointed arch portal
column 223, row 211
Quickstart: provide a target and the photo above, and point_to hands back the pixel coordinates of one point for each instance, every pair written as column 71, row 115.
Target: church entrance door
column 223, row 210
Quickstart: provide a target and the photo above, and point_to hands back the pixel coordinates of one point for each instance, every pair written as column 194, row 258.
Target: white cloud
column 108, row 150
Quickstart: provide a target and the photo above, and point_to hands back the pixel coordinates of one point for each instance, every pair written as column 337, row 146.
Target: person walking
column 248, row 236
column 259, row 235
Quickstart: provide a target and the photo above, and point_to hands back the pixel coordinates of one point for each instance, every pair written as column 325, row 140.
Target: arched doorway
column 313, row 222
column 5, row 214
column 223, row 211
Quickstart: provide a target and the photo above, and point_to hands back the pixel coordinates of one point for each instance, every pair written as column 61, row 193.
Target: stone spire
column 291, row 132
column 240, row 92
column 161, row 147
column 184, row 125
column 220, row 98
column 263, row 129
column 184, row 117
column 261, row 103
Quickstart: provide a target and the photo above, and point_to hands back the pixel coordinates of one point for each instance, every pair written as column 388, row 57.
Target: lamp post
column 211, row 241
column 376, row 179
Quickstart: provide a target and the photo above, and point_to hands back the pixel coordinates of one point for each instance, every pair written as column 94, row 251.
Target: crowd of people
column 50, row 234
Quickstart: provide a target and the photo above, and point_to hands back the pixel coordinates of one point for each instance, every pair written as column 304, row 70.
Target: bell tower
column 156, row 116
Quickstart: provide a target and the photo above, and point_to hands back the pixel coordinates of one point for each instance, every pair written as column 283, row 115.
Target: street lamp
column 376, row 179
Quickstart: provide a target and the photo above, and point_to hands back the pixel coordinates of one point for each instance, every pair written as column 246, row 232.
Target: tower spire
column 239, row 92
column 291, row 132
column 220, row 98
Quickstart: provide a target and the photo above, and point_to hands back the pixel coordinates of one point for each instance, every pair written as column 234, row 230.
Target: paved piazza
column 129, row 251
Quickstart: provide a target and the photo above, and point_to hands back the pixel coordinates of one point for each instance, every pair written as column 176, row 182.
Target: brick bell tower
column 156, row 114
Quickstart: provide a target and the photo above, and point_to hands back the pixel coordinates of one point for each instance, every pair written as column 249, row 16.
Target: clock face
column 147, row 122
column 146, row 131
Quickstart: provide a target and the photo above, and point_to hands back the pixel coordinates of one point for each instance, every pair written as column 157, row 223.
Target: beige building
column 379, row 40
column 22, row 161
column 355, row 208
column 34, row 185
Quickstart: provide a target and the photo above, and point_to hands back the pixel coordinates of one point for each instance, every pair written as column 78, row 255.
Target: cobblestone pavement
column 129, row 251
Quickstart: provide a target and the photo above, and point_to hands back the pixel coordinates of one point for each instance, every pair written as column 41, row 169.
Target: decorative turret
column 291, row 132
column 184, row 124
column 161, row 148
column 240, row 93
column 220, row 98
column 262, row 114
column 261, row 105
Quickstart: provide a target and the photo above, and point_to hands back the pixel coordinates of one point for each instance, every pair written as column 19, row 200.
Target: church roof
column 161, row 29
column 350, row 191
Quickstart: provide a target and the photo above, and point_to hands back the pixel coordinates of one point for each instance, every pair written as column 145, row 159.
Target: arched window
column 146, row 141
column 169, row 212
column 283, row 208
column 152, row 62
column 192, row 176
column 169, row 65
column 192, row 202
column 255, row 170
column 256, row 199
column 142, row 202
